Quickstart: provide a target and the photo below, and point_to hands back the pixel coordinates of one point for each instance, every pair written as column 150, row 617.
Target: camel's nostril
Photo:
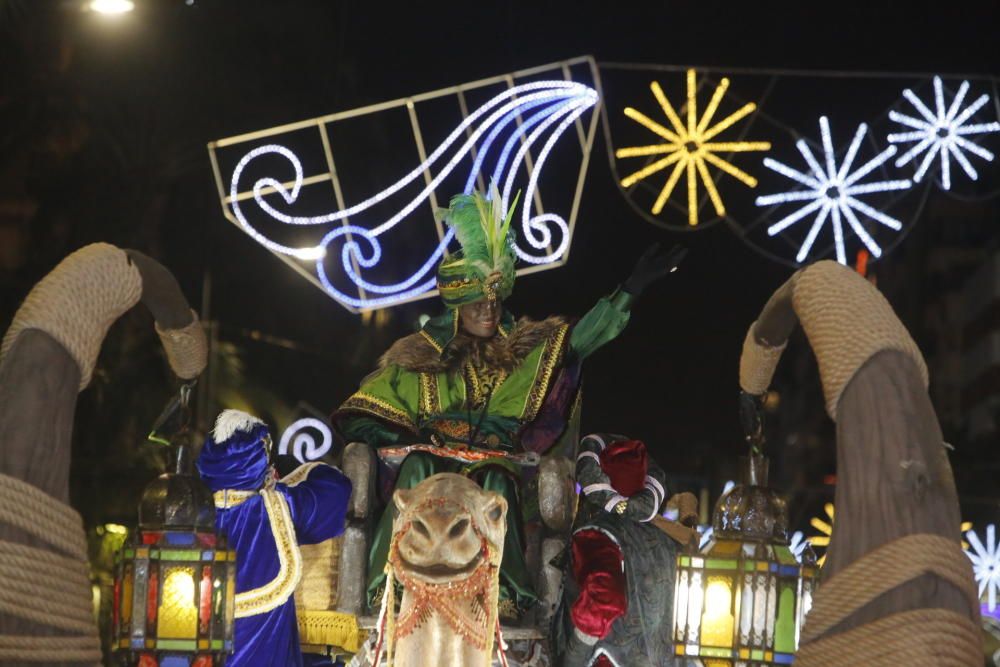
column 459, row 528
column 419, row 526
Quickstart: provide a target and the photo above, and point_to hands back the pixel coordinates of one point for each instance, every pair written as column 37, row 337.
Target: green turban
column 484, row 267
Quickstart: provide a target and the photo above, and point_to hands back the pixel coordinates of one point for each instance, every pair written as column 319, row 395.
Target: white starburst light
column 832, row 193
column 942, row 132
column 985, row 564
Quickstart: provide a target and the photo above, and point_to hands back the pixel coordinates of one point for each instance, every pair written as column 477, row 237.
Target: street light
column 111, row 6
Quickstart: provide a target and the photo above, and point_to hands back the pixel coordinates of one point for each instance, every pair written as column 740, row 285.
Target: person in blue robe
column 265, row 520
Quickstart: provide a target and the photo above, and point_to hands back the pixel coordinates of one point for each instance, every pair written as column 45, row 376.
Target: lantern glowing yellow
column 741, row 601
column 175, row 580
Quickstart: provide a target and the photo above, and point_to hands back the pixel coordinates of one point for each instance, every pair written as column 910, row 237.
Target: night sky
column 137, row 99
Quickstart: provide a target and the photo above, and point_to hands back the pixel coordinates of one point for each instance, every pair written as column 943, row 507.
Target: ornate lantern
column 174, row 592
column 741, row 600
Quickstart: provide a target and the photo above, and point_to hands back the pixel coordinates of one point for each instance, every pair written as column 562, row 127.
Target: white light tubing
column 942, row 133
column 558, row 103
column 831, row 193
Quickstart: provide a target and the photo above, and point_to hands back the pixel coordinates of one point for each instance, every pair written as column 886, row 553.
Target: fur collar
column 416, row 353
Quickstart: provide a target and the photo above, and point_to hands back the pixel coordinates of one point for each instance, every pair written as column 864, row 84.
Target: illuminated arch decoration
column 507, row 138
column 300, row 440
column 942, row 132
column 787, row 104
column 690, row 147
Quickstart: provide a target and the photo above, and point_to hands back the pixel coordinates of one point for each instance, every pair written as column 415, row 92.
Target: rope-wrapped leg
column 897, row 588
column 47, row 591
column 47, row 356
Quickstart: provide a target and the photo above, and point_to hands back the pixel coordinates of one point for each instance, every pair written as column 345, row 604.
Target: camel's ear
column 496, row 509
column 402, row 498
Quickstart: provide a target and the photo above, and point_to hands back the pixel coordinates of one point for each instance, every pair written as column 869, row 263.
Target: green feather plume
column 482, row 228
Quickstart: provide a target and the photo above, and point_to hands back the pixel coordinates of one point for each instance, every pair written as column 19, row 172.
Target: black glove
column 653, row 265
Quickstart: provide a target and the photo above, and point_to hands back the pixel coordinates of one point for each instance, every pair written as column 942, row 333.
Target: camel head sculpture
column 446, row 550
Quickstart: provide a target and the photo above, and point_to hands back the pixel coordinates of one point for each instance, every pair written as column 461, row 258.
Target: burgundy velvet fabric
column 597, row 569
column 625, row 464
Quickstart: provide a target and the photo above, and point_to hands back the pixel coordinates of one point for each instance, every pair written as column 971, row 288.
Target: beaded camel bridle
column 467, row 605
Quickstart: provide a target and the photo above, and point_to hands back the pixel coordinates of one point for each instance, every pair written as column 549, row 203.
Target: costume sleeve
column 600, row 325
column 368, row 430
column 594, row 483
column 317, row 496
column 383, row 411
column 645, row 505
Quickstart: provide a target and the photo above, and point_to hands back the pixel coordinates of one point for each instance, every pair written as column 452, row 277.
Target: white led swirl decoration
column 547, row 108
column 299, row 441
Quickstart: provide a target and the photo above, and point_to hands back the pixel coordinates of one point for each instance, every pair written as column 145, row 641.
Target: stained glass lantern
column 740, row 601
column 174, row 594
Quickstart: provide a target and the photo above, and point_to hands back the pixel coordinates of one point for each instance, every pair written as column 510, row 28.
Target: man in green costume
column 473, row 380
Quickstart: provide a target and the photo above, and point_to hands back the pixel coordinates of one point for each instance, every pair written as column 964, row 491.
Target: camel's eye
column 495, row 512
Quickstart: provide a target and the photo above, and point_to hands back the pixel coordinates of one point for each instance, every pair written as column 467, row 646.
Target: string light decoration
column 298, row 440
column 778, row 93
column 985, row 565
column 497, row 138
column 832, row 193
column 942, row 133
column 689, row 147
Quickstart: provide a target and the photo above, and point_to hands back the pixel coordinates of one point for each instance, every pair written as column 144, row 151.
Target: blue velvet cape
column 317, row 505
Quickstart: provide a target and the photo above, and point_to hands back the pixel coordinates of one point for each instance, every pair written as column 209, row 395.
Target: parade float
column 470, row 524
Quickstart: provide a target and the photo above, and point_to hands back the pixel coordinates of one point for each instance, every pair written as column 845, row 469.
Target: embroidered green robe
column 417, row 397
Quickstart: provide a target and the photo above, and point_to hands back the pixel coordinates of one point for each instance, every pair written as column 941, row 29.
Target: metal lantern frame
column 741, row 600
column 174, row 599
column 175, row 577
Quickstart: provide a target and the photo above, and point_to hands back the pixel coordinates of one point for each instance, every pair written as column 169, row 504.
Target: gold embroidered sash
column 276, row 592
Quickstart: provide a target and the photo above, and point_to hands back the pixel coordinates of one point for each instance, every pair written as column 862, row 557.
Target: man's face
column 480, row 318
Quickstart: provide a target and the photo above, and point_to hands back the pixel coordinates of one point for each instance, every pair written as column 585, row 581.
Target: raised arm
column 605, row 321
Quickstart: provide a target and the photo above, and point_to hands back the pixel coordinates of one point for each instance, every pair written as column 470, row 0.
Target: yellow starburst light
column 689, row 147
column 826, row 531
